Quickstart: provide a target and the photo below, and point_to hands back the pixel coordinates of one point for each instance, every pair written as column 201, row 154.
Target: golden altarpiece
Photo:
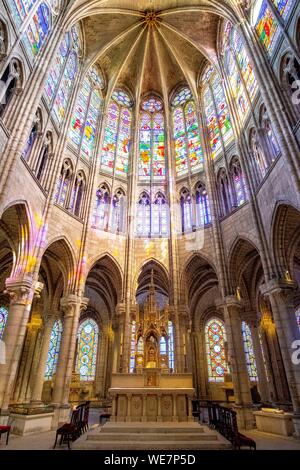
column 152, row 391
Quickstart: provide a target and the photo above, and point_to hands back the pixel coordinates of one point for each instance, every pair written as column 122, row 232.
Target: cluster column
column 237, row 361
column 21, row 294
column 72, row 307
column 281, row 295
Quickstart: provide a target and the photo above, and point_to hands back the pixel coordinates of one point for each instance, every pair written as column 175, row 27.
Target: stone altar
column 152, row 396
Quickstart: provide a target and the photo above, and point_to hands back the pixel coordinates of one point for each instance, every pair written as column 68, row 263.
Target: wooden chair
column 5, row 430
column 239, row 440
column 84, row 416
column 69, row 431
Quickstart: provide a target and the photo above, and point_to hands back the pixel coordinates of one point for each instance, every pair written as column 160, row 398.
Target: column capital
column 120, row 309
column 23, row 290
column 69, row 303
column 278, row 286
column 230, row 301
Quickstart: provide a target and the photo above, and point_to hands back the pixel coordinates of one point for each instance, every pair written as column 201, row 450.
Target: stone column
column 21, row 293
column 261, row 371
column 36, row 396
column 72, row 306
column 281, row 294
column 34, row 328
column 237, row 360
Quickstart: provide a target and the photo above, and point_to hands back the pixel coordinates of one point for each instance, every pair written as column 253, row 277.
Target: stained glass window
column 38, row 29
column 20, row 9
column 216, row 111
column 186, row 210
column 212, row 123
column 61, row 77
column 249, row 352
column 100, row 218
column 239, row 70
column 118, row 212
column 215, row 338
column 238, row 182
column 160, row 216
column 3, row 319
column 152, row 164
column 297, row 313
column 54, row 347
column 163, row 345
column 65, row 88
column 202, row 207
column 266, row 25
column 88, row 334
column 56, row 69
column 188, row 149
column 284, row 7
column 143, row 216
column 171, row 345
column 84, row 120
column 132, row 347
column 117, row 135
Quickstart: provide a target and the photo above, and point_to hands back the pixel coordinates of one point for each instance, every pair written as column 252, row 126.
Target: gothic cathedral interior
column 150, row 211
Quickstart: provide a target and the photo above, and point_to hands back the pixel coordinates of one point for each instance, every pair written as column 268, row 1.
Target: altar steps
column 152, row 436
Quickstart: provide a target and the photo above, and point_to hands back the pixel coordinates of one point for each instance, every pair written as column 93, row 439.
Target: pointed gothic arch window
column 239, row 183
column 290, row 77
column 159, row 219
column 186, row 134
column 77, row 195
column 216, row 112
column 54, row 348
column 62, row 74
column 271, row 143
column 152, row 164
column 249, row 352
column 215, row 339
column 88, row 335
column 186, row 210
column 118, row 212
column 224, row 192
column 64, row 183
column 85, row 116
column 259, row 156
column 3, row 319
column 117, row 135
column 171, row 345
column 202, row 206
column 239, row 69
column 266, row 24
column 44, row 156
column 101, row 212
column 3, row 40
column 144, row 216
column 39, row 27
column 11, row 80
column 132, row 346
column 34, row 132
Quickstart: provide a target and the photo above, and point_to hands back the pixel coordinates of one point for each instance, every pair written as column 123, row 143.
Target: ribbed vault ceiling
column 150, row 45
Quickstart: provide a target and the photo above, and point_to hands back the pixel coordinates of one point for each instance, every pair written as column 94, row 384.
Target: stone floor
column 45, row 441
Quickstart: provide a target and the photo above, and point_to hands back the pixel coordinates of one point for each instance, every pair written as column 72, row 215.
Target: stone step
column 151, row 437
column 158, row 428
column 154, row 445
